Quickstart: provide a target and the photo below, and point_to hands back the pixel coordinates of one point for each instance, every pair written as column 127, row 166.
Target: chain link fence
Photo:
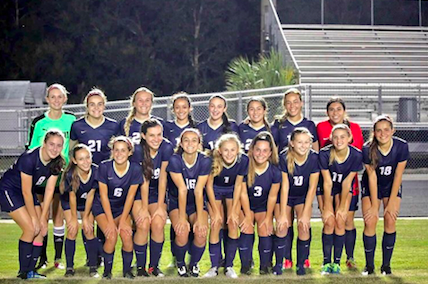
column 407, row 104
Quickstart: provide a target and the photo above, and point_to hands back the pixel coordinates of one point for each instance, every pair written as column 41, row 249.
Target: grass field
column 409, row 262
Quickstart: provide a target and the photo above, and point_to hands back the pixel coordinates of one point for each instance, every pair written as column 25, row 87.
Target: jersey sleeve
column 95, row 184
column 26, row 164
column 366, row 152
column 174, row 164
column 314, row 162
column 102, row 173
column 277, row 176
column 324, row 157
column 73, row 132
column 313, row 130
column 167, row 152
column 137, row 174
column 243, row 170
column 404, row 153
column 283, row 162
column 275, row 131
column 205, row 166
column 357, row 164
column 122, row 127
column 67, row 183
column 234, row 126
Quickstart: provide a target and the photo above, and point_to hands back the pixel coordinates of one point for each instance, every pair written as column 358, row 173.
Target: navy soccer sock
column 369, row 249
column 141, row 255
column 232, row 245
column 388, row 243
column 92, row 250
column 37, row 249
column 180, row 254
column 245, row 249
column 327, row 244
column 338, row 242
column 155, row 253
column 196, row 254
column 215, row 254
column 289, row 243
column 70, row 249
column 108, row 262
column 279, row 249
column 265, row 247
column 350, row 238
column 127, row 260
column 302, row 251
column 25, row 252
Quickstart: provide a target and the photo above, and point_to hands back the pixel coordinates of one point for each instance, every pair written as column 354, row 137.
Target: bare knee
column 181, row 240
column 329, row 225
column 389, row 223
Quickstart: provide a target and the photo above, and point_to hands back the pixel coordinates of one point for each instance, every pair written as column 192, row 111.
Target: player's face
column 143, row 103
column 262, row 152
column 56, row 99
column 190, row 142
column 96, row 106
column 293, row 105
column 120, row 152
column 228, row 151
column 256, row 112
column 83, row 160
column 181, row 109
column 336, row 113
column 53, row 146
column 383, row 132
column 301, row 144
column 216, row 108
column 340, row 139
column 153, row 137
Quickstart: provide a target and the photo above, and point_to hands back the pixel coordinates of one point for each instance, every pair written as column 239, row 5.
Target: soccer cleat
column 22, row 275
column 100, row 261
column 326, row 269
column 182, row 271
column 173, row 263
column 288, row 264
column 107, row 275
column 264, row 270
column 58, row 264
column 93, row 273
column 35, row 275
column 141, row 272
column 386, row 270
column 230, row 272
column 300, row 270
column 69, row 272
column 367, row 271
column 246, row 270
column 335, row 268
column 277, row 270
column 43, row 263
column 194, row 271
column 213, row 272
column 351, row 264
column 307, row 264
column 128, row 275
column 155, row 271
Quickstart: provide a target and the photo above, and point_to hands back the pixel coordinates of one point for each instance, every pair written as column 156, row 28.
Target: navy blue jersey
column 299, row 181
column 172, row 131
column 135, row 135
column 247, row 134
column 258, row 193
column 201, row 167
column 118, row 186
column 282, row 132
column 387, row 164
column 225, row 181
column 339, row 171
column 210, row 135
column 31, row 164
column 96, row 138
column 164, row 153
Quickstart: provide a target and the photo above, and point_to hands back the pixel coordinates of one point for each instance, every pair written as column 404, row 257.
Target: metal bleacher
column 359, row 54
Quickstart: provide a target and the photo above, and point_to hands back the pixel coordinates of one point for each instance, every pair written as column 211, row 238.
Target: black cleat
column 155, row 271
column 107, row 275
column 300, row 270
column 194, row 271
column 69, row 272
column 182, row 271
column 264, row 270
column 246, row 270
column 93, row 273
column 128, row 275
column 43, row 263
column 368, row 271
column 141, row 272
column 386, row 270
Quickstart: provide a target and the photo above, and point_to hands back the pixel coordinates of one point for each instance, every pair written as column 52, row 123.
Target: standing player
column 336, row 111
column 55, row 117
column 118, row 181
column 188, row 171
column 255, row 123
column 225, row 181
column 218, row 122
column 258, row 198
column 281, row 131
column 77, row 194
column 156, row 153
column 141, row 106
column 18, row 199
column 94, row 129
column 300, row 173
column 385, row 158
column 339, row 165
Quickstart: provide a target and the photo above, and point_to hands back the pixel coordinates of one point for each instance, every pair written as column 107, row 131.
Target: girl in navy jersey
column 118, row 181
column 18, row 199
column 300, row 173
column 188, row 171
column 255, row 123
column 385, row 158
column 94, row 129
column 218, row 122
column 182, row 109
column 258, row 198
column 156, row 153
column 225, row 182
column 77, row 194
column 339, row 163
column 141, row 106
column 281, row 130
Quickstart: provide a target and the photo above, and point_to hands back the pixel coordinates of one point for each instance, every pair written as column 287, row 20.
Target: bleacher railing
column 407, row 104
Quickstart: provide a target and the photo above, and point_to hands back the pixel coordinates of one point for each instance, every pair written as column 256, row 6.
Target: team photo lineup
column 215, row 181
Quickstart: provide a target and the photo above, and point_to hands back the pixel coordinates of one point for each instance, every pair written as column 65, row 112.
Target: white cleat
column 213, row 272
column 230, row 272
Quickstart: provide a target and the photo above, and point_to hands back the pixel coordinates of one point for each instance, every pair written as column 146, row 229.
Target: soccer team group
column 214, row 180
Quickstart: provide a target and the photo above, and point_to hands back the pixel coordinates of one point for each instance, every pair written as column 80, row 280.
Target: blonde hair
column 262, row 136
column 291, row 153
column 59, row 87
column 131, row 114
column 283, row 117
column 333, row 154
column 93, row 92
column 218, row 164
